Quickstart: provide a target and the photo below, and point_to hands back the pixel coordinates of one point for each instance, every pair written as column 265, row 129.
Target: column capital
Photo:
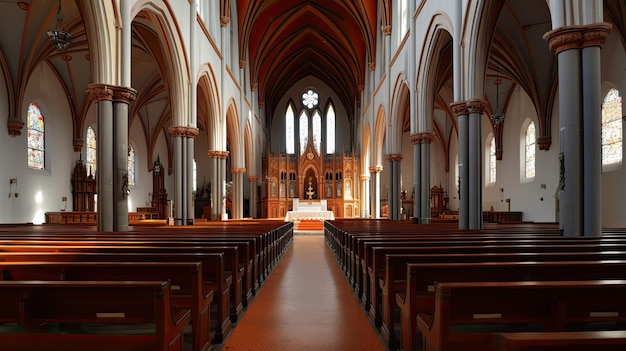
column 189, row 132
column 577, row 36
column 224, row 21
column 78, row 144
column 254, row 86
column 218, row 154
column 422, row 138
column 124, row 94
column 237, row 170
column 544, row 142
column 386, row 29
column 476, row 106
column 393, row 157
column 242, row 63
column 372, row 66
column 364, row 178
column 253, row 179
column 15, row 126
column 100, row 92
column 376, row 169
column 459, row 108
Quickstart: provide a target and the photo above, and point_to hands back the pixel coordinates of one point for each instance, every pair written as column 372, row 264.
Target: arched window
column 36, row 138
column 612, row 128
column 317, row 132
column 131, row 166
column 91, row 152
column 289, row 130
column 330, row 130
column 492, row 161
column 530, row 151
column 304, row 131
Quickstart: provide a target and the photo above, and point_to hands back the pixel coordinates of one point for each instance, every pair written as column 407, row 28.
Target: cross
column 310, row 192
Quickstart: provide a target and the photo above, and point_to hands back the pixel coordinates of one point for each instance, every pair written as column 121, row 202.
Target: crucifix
column 310, row 192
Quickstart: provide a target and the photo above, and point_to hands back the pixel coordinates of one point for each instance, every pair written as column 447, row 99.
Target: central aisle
column 306, row 304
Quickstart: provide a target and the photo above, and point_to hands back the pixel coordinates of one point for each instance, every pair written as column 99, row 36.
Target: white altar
column 309, row 209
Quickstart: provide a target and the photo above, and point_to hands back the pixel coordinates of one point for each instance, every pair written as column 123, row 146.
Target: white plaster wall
column 39, row 191
column 139, row 194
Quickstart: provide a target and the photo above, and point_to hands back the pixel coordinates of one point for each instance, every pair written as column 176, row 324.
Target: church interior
column 356, row 133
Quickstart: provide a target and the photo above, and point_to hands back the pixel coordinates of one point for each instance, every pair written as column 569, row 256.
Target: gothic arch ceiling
column 289, row 40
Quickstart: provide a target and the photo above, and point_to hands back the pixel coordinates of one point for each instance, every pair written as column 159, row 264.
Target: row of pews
column 506, row 287
column 154, row 287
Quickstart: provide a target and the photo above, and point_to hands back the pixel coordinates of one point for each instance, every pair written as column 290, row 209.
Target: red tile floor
column 306, row 304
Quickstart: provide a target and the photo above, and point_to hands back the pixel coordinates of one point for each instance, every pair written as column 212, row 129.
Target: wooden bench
column 64, row 315
column 421, row 278
column 467, row 315
column 187, row 288
column 604, row 340
column 214, row 276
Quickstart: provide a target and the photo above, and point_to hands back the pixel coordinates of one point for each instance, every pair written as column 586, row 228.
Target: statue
column 310, row 191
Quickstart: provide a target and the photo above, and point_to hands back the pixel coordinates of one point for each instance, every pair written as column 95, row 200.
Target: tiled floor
column 306, row 304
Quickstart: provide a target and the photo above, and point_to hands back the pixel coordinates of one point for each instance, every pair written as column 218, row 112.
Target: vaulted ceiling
column 287, row 41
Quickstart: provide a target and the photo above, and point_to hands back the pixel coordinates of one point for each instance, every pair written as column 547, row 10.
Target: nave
column 306, row 304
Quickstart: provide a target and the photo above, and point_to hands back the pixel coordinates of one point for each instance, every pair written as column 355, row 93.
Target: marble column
column 476, row 109
column 459, row 108
column 237, row 192
column 103, row 96
column 375, row 183
column 365, row 196
column 122, row 96
column 394, row 200
column 253, row 181
column 578, row 53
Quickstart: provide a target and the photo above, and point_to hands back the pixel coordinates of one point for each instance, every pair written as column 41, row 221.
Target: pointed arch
column 250, row 156
column 365, row 150
column 208, row 104
column 233, row 135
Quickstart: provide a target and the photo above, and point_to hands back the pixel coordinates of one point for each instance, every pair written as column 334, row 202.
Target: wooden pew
column 421, row 278
column 37, row 307
column 603, row 340
column 214, row 276
column 467, row 315
column 186, row 285
column 231, row 260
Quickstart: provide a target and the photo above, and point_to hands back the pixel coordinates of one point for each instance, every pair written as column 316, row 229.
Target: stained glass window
column 317, row 132
column 304, row 131
column 310, row 99
column 289, row 129
column 612, row 128
column 131, row 166
column 492, row 160
column 530, row 150
column 36, row 138
column 330, row 130
column 91, row 152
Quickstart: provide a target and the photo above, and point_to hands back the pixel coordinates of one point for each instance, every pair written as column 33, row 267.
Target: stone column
column 253, row 195
column 103, row 96
column 375, row 175
column 122, row 96
column 578, row 52
column 475, row 108
column 183, row 142
column 238, row 192
column 218, row 183
column 365, row 196
column 421, row 142
column 417, row 177
column 394, row 186
column 459, row 108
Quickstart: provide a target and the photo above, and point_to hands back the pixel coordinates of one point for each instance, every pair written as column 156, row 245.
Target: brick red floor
column 306, row 304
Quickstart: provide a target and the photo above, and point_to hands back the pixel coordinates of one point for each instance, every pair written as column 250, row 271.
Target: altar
column 309, row 209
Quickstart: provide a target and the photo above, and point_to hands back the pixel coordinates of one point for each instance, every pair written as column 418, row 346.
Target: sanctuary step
column 309, row 225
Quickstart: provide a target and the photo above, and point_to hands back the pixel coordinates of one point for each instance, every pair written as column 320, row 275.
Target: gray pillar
column 178, row 179
column 395, row 182
column 417, row 182
column 189, row 193
column 463, row 172
column 365, row 198
column 570, row 136
column 425, row 182
column 104, row 161
column 120, row 167
column 213, row 179
column 253, row 195
column 592, row 141
column 474, row 162
column 375, row 172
